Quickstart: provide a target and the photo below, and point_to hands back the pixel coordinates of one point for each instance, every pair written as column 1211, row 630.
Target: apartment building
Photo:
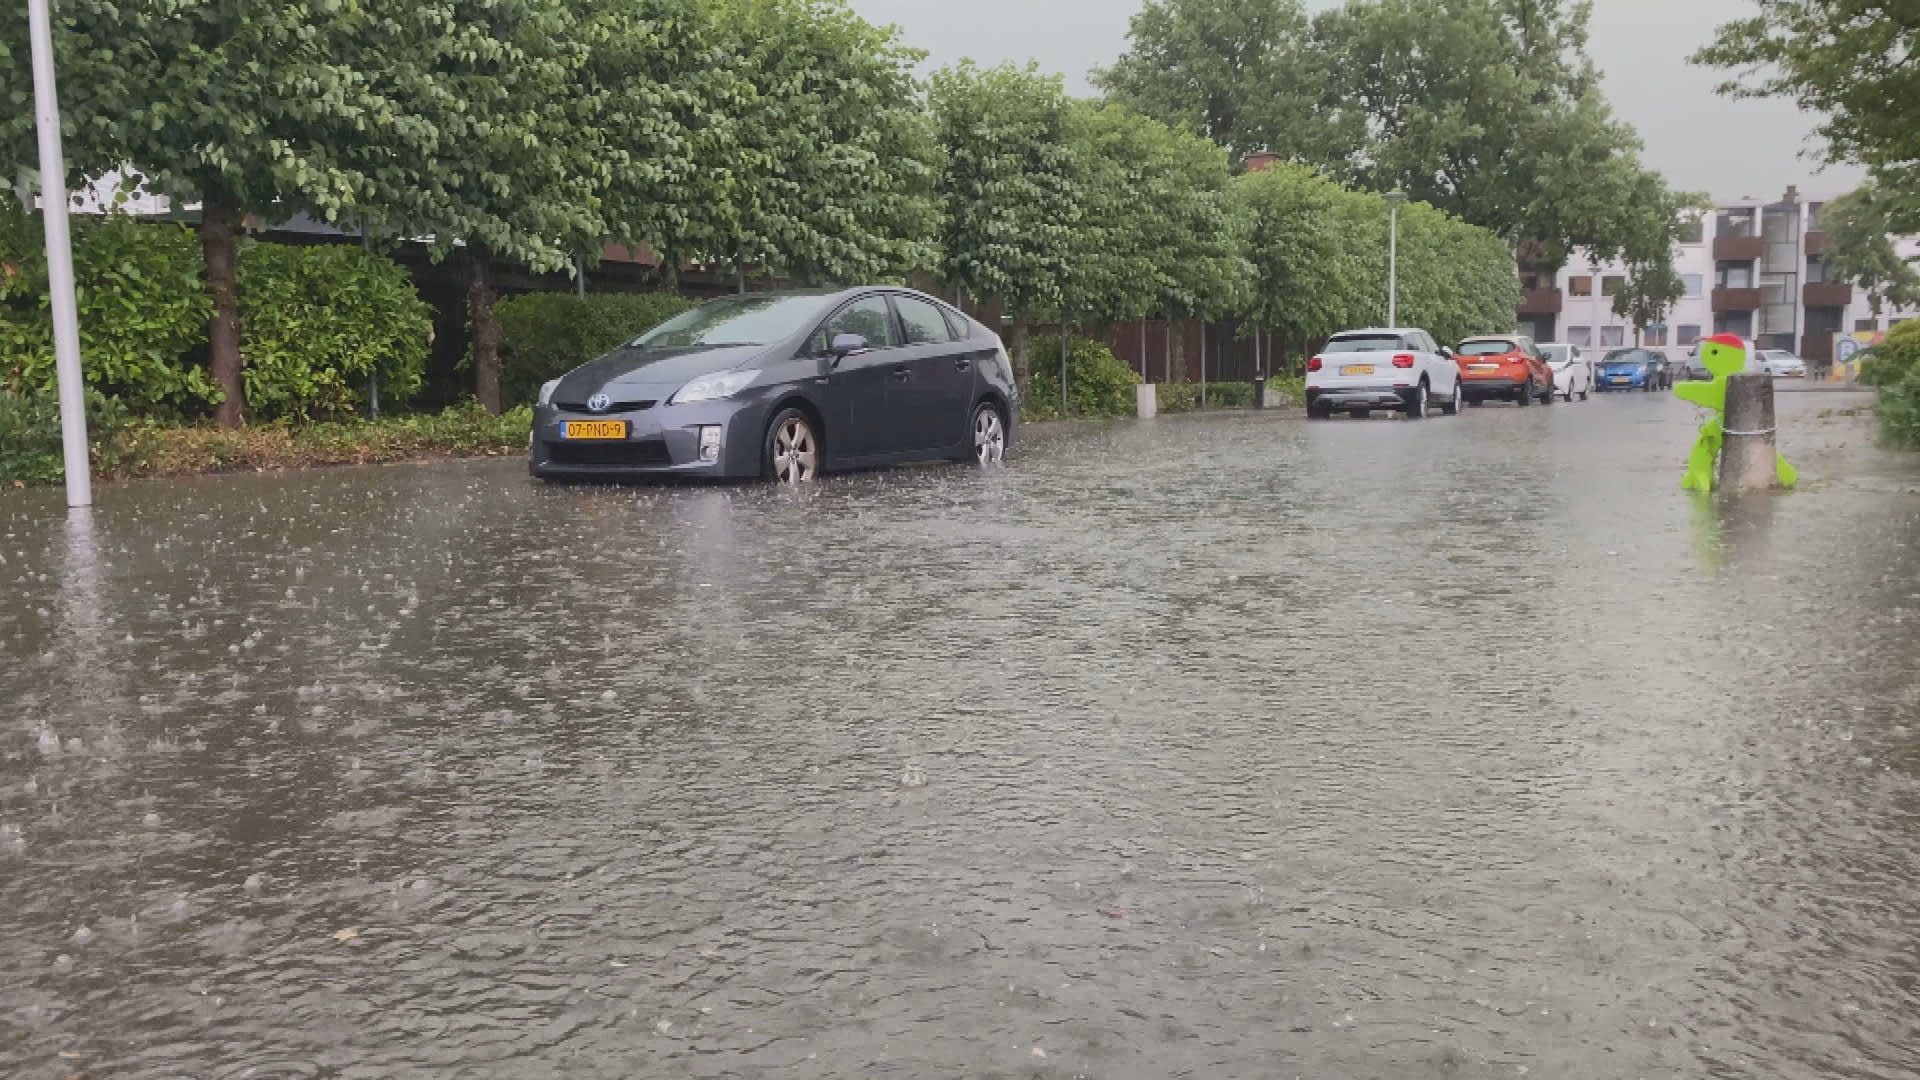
column 1751, row 267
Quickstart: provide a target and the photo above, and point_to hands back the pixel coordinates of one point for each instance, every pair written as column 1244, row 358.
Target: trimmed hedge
column 317, row 323
column 1098, row 385
column 143, row 311
column 545, row 335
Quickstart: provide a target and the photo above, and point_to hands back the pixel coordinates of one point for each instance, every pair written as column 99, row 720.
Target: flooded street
column 1216, row 746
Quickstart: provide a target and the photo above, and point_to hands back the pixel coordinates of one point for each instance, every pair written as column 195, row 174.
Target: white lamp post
column 53, row 211
column 1394, row 199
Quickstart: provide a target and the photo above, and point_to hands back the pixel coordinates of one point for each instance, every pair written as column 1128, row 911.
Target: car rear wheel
column 1452, row 408
column 1547, row 395
column 1526, row 395
column 792, row 453
column 989, row 436
column 1416, row 408
column 1319, row 412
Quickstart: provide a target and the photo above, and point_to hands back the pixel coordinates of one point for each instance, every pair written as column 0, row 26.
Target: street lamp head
column 1396, row 197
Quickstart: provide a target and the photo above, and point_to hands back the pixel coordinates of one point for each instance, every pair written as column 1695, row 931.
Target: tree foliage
column 1849, row 61
column 1860, row 249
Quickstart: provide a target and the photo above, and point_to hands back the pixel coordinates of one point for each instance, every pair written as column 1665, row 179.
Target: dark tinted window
column 924, row 323
column 870, row 318
column 958, row 324
column 1366, row 343
column 1488, row 348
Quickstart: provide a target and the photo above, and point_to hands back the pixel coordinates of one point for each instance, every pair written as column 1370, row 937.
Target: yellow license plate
column 594, row 429
column 1357, row 369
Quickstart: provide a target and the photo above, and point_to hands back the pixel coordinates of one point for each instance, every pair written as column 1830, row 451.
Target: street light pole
column 53, row 212
column 1394, row 199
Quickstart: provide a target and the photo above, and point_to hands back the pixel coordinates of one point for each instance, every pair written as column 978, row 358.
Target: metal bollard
column 1260, row 392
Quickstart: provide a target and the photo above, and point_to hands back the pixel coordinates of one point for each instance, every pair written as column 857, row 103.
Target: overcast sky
column 1641, row 45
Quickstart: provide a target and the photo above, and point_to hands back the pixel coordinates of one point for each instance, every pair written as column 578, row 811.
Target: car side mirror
column 1446, row 352
column 845, row 345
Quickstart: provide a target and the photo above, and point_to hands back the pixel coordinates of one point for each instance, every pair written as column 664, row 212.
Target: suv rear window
column 1486, row 348
column 1365, row 343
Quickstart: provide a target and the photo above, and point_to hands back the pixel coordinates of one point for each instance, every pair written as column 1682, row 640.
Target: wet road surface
column 1223, row 746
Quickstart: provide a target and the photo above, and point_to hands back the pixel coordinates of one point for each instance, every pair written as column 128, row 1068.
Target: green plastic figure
column 1723, row 355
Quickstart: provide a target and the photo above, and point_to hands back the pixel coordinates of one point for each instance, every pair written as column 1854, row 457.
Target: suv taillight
column 1314, row 364
column 1404, row 360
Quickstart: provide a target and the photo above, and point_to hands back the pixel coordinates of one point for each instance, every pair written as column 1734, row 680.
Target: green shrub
column 545, row 335
column 1899, row 412
column 142, row 309
column 318, row 323
column 1229, row 395
column 1895, row 359
column 1180, row 397
column 30, row 447
column 1284, row 389
column 1097, row 384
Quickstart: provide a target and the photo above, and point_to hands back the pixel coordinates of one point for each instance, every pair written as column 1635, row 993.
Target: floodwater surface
column 1219, row 746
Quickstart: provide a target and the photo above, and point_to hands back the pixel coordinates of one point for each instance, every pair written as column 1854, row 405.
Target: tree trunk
column 1020, row 332
column 485, row 328
column 219, row 238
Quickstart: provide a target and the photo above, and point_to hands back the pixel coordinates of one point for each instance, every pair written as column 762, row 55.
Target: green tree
column 1311, row 252
column 1240, row 72
column 454, row 118
column 825, row 158
column 1860, row 249
column 1008, row 190
column 1850, row 61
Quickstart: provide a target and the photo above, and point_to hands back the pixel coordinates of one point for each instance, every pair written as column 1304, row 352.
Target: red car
column 1505, row 367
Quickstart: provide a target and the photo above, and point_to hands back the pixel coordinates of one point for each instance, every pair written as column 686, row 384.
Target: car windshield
column 735, row 320
column 1366, row 343
column 1626, row 356
column 1486, row 348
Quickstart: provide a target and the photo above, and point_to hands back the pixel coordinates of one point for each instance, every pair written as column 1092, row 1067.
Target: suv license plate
column 1357, row 369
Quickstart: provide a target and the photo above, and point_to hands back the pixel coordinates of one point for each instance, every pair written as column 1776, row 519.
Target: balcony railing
column 1542, row 302
column 1827, row 294
column 1737, row 300
column 1738, row 248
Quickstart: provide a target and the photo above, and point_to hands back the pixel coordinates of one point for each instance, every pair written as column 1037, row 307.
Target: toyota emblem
column 599, row 403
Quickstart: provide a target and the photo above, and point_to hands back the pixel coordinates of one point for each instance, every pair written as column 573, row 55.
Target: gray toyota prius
column 783, row 386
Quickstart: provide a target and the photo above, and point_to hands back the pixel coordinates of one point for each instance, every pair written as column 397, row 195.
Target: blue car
column 1633, row 369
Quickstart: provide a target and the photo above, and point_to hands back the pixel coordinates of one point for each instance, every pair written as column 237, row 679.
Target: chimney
column 1261, row 160
column 1793, row 193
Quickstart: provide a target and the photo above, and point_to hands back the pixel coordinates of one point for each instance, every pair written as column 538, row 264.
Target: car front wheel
column 792, row 454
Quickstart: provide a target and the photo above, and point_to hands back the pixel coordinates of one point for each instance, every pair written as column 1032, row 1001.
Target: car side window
column 957, row 324
column 869, row 316
column 923, row 322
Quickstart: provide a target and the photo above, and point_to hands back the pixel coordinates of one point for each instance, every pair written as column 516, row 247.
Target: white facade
column 1754, row 269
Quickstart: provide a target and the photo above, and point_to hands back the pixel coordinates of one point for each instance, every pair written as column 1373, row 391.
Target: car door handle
column 902, row 373
column 963, row 364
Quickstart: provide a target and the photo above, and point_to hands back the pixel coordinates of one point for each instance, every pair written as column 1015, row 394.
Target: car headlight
column 721, row 384
column 546, row 390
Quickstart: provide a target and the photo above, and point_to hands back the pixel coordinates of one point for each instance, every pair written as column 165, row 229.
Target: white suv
column 1363, row 370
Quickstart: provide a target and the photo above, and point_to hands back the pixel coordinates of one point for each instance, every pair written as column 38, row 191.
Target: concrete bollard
column 1147, row 400
column 1747, row 458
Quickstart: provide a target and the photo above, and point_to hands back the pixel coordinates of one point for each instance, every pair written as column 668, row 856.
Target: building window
column 1735, row 223
column 1611, row 336
column 1656, row 335
column 1692, row 230
column 1734, row 322
column 1816, row 271
column 1695, row 283
column 1865, row 326
column 1735, row 276
column 1580, row 335
column 1814, row 210
column 1612, row 285
column 1687, row 335
column 1580, row 286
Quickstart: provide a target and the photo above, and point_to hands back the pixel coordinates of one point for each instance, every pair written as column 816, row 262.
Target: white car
column 1402, row 370
column 1572, row 371
column 1782, row 364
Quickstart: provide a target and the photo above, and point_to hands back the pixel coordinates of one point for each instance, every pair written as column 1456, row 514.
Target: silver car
column 1782, row 364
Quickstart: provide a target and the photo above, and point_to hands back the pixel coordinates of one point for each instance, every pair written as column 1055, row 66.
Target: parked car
column 1361, row 371
column 1633, row 368
column 783, row 386
column 1691, row 367
column 1508, row 367
column 1572, row 373
column 1782, row 364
